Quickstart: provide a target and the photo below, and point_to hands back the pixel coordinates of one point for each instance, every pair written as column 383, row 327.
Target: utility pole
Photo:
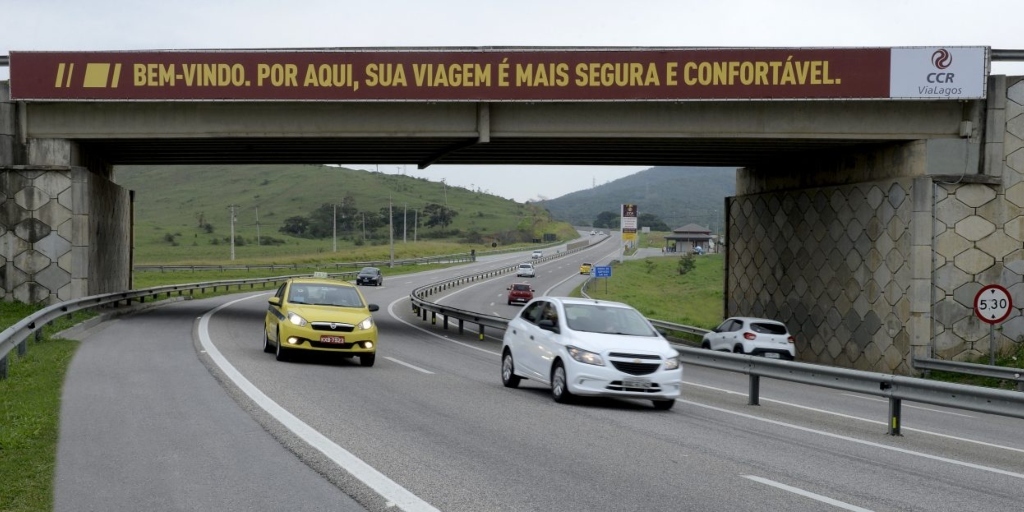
column 445, row 185
column 334, row 227
column 415, row 223
column 363, row 214
column 257, row 226
column 391, row 233
column 232, row 207
column 405, row 221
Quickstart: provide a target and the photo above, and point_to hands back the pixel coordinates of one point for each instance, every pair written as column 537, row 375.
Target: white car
column 537, row 255
column 526, row 270
column 753, row 336
column 590, row 347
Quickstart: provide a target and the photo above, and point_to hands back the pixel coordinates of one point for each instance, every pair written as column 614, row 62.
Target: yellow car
column 586, row 268
column 320, row 315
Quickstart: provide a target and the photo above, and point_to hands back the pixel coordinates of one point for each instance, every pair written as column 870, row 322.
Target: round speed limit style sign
column 992, row 304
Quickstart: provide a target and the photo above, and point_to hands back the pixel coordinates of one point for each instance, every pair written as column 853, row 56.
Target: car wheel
column 705, row 345
column 559, row 385
column 282, row 353
column 663, row 405
column 367, row 360
column 266, row 342
column 508, row 374
column 738, row 349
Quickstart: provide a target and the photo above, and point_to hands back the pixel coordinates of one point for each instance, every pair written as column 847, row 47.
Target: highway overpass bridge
column 879, row 189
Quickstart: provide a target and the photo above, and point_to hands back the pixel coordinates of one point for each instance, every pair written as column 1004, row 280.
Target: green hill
column 183, row 213
column 676, row 195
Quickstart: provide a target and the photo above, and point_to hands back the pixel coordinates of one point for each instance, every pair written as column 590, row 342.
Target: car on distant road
column 590, row 347
column 752, row 336
column 520, row 293
column 537, row 255
column 526, row 269
column 585, row 268
column 370, row 275
column 592, row 232
column 320, row 315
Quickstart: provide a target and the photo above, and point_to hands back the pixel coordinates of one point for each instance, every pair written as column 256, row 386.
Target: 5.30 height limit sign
column 992, row 304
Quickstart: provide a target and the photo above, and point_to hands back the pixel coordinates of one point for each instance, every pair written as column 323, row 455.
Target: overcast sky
column 212, row 24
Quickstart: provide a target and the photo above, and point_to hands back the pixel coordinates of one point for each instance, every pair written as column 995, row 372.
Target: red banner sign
column 515, row 74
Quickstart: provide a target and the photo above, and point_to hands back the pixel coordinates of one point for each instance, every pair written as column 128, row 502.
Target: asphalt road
column 179, row 409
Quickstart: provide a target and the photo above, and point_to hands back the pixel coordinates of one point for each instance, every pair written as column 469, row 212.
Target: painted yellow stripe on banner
column 60, row 75
column 117, row 74
column 71, row 71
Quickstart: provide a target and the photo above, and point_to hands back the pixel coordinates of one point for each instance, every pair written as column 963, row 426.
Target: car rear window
column 525, row 265
column 766, row 328
column 521, row 287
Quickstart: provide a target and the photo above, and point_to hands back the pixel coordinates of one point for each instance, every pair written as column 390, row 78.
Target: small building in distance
column 689, row 238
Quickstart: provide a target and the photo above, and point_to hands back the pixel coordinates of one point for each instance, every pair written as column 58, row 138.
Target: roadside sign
column 992, row 304
column 605, row 271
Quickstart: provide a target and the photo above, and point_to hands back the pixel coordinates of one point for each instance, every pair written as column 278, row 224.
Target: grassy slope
column 172, row 199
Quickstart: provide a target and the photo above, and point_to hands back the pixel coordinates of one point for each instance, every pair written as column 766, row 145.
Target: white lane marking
column 395, row 494
column 876, row 422
column 403, row 363
column 391, row 312
column 860, row 441
column 874, row 399
column 806, row 494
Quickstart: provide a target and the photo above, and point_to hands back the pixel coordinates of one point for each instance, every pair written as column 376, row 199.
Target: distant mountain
column 676, row 195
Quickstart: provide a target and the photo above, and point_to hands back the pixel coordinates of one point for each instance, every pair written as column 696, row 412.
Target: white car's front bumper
column 590, row 380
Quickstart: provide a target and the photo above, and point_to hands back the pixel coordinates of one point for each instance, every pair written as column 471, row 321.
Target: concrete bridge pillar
column 874, row 256
column 64, row 225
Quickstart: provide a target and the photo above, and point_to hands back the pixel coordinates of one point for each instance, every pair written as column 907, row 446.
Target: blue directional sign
column 602, row 271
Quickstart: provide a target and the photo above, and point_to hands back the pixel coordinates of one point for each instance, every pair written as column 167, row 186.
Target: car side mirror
column 274, row 301
column 509, row 288
column 372, row 307
column 548, row 325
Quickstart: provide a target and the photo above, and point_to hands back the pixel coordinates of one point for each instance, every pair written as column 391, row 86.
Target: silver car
column 752, row 336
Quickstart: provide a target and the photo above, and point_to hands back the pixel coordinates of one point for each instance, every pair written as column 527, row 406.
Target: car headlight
column 585, row 356
column 296, row 319
column 672, row 363
column 366, row 324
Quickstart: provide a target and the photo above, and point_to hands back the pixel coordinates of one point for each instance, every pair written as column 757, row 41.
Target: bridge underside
column 424, row 151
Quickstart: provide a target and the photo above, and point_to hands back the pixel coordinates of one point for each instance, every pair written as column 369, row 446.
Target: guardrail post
column 481, row 332
column 433, row 318
column 754, row 390
column 3, row 367
column 444, row 322
column 895, row 407
column 424, row 315
column 460, row 326
column 22, row 348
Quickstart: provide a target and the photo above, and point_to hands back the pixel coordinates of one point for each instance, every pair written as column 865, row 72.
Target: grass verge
column 30, row 413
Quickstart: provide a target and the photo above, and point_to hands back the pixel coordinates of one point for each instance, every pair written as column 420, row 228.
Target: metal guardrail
column 980, row 370
column 17, row 335
column 462, row 257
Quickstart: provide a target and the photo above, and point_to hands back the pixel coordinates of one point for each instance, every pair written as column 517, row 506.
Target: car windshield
column 607, row 320
column 368, row 271
column 325, row 295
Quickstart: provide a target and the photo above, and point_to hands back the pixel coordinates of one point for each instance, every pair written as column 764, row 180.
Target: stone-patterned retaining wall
column 63, row 234
column 833, row 264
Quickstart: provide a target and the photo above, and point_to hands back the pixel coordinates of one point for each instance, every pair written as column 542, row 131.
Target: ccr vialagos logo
column 942, row 59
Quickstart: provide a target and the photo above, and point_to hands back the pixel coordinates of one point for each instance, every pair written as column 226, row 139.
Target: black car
column 370, row 275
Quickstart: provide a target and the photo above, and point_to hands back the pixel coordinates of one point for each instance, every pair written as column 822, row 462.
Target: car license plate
column 332, row 339
column 771, row 355
column 636, row 384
